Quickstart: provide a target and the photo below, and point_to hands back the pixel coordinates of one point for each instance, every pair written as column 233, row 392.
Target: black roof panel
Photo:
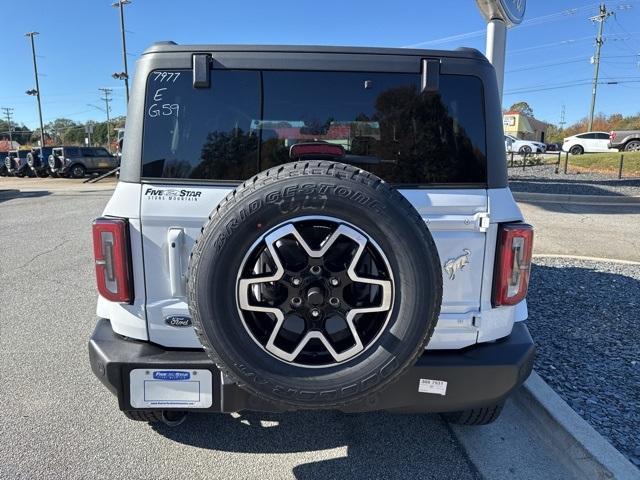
column 172, row 47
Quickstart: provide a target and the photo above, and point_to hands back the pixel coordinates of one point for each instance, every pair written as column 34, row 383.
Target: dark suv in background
column 38, row 160
column 76, row 162
column 3, row 167
column 16, row 163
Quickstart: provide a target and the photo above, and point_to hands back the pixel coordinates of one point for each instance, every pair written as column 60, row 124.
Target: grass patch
column 606, row 163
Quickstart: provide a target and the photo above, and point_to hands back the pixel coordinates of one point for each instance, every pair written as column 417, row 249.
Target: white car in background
column 515, row 145
column 588, row 142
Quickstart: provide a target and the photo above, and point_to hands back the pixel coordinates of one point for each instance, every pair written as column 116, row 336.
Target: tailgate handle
column 175, row 244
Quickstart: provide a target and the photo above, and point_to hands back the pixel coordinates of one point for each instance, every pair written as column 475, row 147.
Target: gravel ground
column 543, row 179
column 583, row 316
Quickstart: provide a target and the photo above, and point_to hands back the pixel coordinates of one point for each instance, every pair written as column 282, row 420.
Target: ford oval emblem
column 171, row 375
column 178, row 321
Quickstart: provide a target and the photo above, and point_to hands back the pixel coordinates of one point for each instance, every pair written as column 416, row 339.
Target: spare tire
column 314, row 285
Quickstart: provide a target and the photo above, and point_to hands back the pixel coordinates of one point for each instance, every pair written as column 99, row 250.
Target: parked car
column 38, row 160
column 76, row 162
column 16, row 163
column 3, row 167
column 625, row 140
column 588, row 142
column 516, row 145
column 348, row 258
column 553, row 147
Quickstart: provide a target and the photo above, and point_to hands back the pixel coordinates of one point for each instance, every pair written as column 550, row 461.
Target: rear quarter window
column 248, row 120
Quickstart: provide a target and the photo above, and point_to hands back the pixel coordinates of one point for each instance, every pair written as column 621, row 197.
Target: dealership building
column 524, row 127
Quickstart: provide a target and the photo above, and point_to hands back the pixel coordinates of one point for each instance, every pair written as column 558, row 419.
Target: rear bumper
column 476, row 376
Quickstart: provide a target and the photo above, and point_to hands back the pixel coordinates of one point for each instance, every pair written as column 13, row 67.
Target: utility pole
column 124, row 75
column 562, row 121
column 8, row 111
column 600, row 18
column 31, row 35
column 107, row 100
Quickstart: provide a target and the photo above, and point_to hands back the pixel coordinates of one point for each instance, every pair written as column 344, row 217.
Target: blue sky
column 79, row 45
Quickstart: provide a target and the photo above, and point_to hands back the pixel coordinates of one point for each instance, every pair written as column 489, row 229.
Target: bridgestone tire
column 475, row 416
column 304, row 189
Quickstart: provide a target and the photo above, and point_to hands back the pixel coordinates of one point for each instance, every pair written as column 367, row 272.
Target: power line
column 535, row 21
column 8, row 111
column 542, row 88
column 545, row 65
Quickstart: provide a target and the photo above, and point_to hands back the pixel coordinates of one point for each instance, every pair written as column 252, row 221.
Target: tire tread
column 321, row 169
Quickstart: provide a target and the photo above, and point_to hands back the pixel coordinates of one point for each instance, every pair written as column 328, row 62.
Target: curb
column 576, row 199
column 582, row 257
column 584, row 450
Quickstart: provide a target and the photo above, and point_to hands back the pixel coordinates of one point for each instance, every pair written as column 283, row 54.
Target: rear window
column 248, row 121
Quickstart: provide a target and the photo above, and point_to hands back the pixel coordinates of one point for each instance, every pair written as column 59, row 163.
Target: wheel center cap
column 315, row 296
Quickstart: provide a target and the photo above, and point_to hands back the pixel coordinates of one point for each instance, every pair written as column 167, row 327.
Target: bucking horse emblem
column 455, row 264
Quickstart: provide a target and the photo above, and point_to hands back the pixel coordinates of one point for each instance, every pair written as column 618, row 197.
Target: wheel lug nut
column 315, row 269
column 334, row 302
column 296, row 301
column 315, row 313
column 296, row 281
column 334, row 282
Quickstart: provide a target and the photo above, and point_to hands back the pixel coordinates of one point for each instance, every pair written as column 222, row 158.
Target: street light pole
column 31, row 35
column 496, row 49
column 120, row 4
column 500, row 15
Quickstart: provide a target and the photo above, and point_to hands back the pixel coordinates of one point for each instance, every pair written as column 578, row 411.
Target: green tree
column 522, row 107
column 61, row 129
column 19, row 133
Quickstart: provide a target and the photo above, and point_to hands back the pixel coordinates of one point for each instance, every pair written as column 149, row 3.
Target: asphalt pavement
column 58, row 421
column 587, row 230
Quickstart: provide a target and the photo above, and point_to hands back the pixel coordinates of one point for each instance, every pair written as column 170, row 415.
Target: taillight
column 613, row 135
column 111, row 253
column 513, row 263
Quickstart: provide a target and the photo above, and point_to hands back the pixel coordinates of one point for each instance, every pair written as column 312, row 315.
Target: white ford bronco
column 312, row 228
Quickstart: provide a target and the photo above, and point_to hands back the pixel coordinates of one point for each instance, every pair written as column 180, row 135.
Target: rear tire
column 632, row 146
column 525, row 150
column 248, row 347
column 576, row 150
column 475, row 416
column 77, row 171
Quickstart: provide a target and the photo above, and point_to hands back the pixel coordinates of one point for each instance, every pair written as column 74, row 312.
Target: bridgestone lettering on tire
column 315, row 284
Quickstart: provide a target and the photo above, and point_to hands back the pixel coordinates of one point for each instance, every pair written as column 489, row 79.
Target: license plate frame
column 167, row 388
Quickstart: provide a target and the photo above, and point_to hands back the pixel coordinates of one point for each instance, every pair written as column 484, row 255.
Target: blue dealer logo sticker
column 171, row 375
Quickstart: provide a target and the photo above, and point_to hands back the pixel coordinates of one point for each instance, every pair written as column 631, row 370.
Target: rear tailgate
column 171, row 219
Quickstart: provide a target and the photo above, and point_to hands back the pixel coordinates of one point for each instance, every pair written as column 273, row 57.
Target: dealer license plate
column 166, row 388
